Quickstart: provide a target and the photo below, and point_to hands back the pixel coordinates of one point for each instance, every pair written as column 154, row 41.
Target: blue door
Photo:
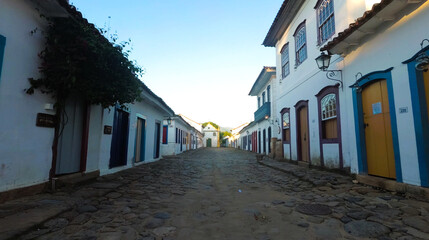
column 157, row 140
column 119, row 146
column 140, row 140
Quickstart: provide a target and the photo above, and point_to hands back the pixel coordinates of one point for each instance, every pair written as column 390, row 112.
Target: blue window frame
column 259, row 102
column 2, row 46
column 285, row 60
column 300, row 43
column 325, row 20
column 263, row 97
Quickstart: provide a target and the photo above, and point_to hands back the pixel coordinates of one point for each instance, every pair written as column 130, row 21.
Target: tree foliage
column 212, row 123
column 79, row 59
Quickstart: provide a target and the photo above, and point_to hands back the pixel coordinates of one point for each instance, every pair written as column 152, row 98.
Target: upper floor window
column 259, row 102
column 300, row 43
column 268, row 93
column 285, row 60
column 325, row 20
column 263, row 97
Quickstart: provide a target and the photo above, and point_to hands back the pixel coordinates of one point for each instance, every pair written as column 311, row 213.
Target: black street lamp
column 323, row 61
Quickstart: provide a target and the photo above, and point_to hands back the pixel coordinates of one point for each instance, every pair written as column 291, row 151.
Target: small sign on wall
column 403, row 110
column 107, row 129
column 45, row 120
column 376, row 108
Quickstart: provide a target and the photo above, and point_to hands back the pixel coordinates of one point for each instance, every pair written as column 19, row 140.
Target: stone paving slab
column 217, row 193
column 25, row 218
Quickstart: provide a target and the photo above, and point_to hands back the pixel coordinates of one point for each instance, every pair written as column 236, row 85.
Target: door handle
column 365, row 125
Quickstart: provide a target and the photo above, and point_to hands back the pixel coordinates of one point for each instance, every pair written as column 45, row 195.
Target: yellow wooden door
column 303, row 123
column 378, row 131
column 426, row 83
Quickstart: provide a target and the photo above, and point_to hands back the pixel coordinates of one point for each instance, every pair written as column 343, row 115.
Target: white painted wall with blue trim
column 390, row 48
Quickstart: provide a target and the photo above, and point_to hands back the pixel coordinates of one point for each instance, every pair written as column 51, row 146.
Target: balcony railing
column 263, row 111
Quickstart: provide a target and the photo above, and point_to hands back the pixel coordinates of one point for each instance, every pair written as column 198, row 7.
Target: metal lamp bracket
column 335, row 75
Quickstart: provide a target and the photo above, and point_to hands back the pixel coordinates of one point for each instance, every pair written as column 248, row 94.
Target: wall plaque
column 107, row 129
column 45, row 120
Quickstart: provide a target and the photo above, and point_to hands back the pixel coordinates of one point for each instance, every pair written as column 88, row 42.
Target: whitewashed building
column 210, row 136
column 386, row 80
column 332, row 116
column 257, row 135
column 25, row 139
column 139, row 133
column 181, row 136
column 94, row 141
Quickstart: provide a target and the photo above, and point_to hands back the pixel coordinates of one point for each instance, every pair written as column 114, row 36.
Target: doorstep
column 394, row 186
column 71, row 180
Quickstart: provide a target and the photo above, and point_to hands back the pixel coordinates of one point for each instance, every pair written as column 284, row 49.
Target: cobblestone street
column 222, row 194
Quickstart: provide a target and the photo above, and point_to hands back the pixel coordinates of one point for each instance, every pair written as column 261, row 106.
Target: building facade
column 332, row 115
column 210, row 136
column 94, row 140
column 257, row 135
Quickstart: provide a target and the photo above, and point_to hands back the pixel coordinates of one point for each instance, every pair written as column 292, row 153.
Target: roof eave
column 358, row 31
column 264, row 77
column 283, row 19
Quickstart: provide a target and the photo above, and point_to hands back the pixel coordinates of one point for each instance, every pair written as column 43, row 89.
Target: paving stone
column 154, row 223
column 359, row 215
column 164, row 231
column 277, row 202
column 303, row 224
column 362, row 228
column 87, row 208
column 417, row 223
column 103, row 220
column 313, row 209
column 162, row 215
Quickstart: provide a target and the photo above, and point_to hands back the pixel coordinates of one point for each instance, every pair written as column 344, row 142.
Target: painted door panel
column 140, row 140
column 426, row 83
column 119, row 146
column 378, row 131
column 303, row 133
column 157, row 140
column 209, row 142
column 70, row 142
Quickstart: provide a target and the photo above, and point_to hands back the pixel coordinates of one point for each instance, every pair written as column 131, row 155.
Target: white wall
column 306, row 80
column 25, row 150
column 394, row 45
column 152, row 115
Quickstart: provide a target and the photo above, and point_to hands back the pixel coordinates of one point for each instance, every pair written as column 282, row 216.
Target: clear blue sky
column 200, row 56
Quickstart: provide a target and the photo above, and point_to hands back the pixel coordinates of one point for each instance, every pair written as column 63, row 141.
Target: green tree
column 79, row 60
column 212, row 123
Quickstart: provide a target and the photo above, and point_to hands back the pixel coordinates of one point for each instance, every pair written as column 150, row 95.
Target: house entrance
column 209, row 142
column 378, row 130
column 140, row 140
column 119, row 147
column 70, row 144
column 303, row 136
column 157, row 140
column 426, row 83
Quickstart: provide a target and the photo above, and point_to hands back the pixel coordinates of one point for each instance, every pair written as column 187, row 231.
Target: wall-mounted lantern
column 323, row 61
column 169, row 121
column 422, row 61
